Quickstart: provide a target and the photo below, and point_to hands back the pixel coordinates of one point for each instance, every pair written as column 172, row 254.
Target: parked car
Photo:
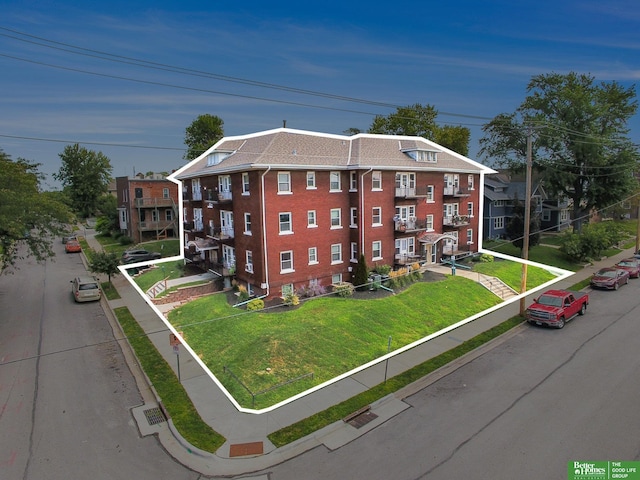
column 610, row 278
column 68, row 237
column 134, row 256
column 72, row 246
column 631, row 265
column 85, row 289
column 556, row 307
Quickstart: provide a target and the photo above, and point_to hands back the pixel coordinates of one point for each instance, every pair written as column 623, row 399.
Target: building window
column 546, row 215
column 353, row 217
column 311, row 180
column 336, row 278
column 353, row 181
column 376, row 181
column 154, row 215
column 499, row 203
column 165, row 193
column 376, row 250
column 564, row 215
column 336, row 218
column 429, row 222
column 311, row 219
column 168, row 215
column 287, row 290
column 284, row 182
column 286, row 262
column 249, row 261
column 469, row 236
column 498, row 223
column 336, row 253
column 470, row 209
column 470, row 182
column 376, row 216
column 285, row 222
column 334, row 182
column 247, row 224
column 313, row 255
column 354, row 252
column 430, row 197
column 245, row 183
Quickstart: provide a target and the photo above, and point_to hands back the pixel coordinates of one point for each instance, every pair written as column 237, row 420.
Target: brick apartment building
column 148, row 207
column 282, row 209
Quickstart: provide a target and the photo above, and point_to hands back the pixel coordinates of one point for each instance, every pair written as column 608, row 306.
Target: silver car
column 85, row 289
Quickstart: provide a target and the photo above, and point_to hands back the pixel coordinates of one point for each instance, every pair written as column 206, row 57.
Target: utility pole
column 527, row 224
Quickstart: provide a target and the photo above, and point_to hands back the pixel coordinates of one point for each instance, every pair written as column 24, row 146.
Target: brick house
column 147, row 207
column 282, row 209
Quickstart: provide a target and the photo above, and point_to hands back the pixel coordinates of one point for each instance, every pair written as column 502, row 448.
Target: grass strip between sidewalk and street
column 177, row 403
column 322, row 419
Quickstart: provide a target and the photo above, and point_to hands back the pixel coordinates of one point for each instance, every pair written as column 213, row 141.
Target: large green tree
column 85, row 176
column 203, row 132
column 29, row 217
column 578, row 130
column 418, row 120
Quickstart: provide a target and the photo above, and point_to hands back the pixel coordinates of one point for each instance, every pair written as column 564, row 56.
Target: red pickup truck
column 557, row 307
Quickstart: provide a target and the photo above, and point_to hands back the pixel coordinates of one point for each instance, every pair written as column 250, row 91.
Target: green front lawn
column 511, row 273
column 325, row 336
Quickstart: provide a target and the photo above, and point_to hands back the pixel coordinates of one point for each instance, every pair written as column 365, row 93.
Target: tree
column 108, row 221
column 85, row 176
column 104, row 262
column 361, row 274
column 28, row 216
column 420, row 121
column 515, row 226
column 579, row 144
column 203, row 132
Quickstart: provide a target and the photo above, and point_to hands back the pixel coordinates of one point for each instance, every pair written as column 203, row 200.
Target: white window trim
column 375, row 259
column 336, row 262
column 376, row 189
column 287, row 270
column 379, row 224
column 285, row 232
column 314, row 186
column 315, row 219
column 313, row 262
column 284, row 192
column 335, row 227
column 339, row 189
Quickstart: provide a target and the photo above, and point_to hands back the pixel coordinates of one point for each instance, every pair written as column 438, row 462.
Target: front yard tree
column 28, row 215
column 361, row 274
column 203, row 132
column 105, row 262
column 418, row 120
column 579, row 139
column 515, row 226
column 85, row 176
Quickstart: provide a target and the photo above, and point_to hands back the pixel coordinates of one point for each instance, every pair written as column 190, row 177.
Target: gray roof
column 285, row 148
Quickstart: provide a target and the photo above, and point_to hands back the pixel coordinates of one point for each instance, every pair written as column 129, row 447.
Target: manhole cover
column 154, row 416
column 362, row 419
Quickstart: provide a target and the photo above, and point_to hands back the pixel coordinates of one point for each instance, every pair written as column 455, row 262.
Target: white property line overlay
column 561, row 274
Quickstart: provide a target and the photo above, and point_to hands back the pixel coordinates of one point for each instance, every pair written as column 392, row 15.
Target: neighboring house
column 148, row 207
column 284, row 209
column 500, row 191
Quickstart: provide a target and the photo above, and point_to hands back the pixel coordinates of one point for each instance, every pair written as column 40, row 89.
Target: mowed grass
column 325, row 336
column 511, row 273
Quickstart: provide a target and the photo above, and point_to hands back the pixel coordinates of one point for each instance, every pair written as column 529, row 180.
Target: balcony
column 159, row 225
column 153, row 202
column 196, row 226
column 455, row 221
column 410, row 224
column 412, row 192
column 408, row 258
column 220, row 233
column 453, row 191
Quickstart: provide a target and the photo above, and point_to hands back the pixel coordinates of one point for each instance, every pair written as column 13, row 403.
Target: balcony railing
column 412, row 192
column 455, row 220
column 196, row 226
column 220, row 233
column 409, row 224
column 452, row 191
column 153, row 202
column 159, row 225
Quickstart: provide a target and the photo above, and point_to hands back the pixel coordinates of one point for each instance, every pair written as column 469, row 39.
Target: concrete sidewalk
column 247, row 448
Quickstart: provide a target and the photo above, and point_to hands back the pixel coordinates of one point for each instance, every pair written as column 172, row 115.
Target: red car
column 610, row 278
column 72, row 246
column 631, row 265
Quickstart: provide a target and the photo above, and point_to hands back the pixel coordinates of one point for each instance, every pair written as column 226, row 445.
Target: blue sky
column 471, row 60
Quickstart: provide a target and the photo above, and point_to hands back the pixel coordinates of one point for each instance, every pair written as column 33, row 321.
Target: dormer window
column 427, row 156
column 215, row 158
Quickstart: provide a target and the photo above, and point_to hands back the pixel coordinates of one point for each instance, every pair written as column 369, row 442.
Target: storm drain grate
column 362, row 419
column 154, row 416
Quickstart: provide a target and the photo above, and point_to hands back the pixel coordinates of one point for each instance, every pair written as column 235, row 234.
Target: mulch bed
column 276, row 305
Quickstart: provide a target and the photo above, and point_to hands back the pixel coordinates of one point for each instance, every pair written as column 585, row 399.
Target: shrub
column 124, row 240
column 255, row 304
column 383, row 269
column 415, row 266
column 343, row 289
column 243, row 294
column 486, row 258
column 291, row 299
column 312, row 290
